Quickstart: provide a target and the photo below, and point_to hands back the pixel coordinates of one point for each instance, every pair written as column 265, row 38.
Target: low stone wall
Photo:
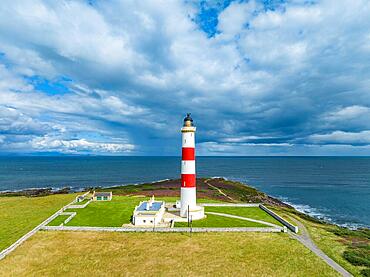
column 71, row 215
column 280, row 219
column 73, row 206
column 164, row 230
column 229, row 204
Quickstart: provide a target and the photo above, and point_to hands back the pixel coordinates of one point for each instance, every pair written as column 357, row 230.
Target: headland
column 348, row 248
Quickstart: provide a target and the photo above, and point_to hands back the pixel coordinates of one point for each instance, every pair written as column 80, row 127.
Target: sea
column 335, row 189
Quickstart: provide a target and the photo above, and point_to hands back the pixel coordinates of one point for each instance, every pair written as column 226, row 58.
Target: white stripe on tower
column 188, row 167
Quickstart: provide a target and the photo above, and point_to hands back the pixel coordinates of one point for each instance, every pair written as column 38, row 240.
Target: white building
column 80, row 198
column 102, row 196
column 149, row 213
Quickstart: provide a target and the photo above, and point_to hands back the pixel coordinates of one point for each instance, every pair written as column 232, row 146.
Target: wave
column 320, row 214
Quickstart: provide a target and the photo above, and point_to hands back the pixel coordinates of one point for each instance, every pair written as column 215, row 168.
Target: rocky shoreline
column 35, row 192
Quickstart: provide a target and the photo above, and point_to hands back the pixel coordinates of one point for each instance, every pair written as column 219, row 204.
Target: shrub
column 365, row 272
column 359, row 255
column 359, row 233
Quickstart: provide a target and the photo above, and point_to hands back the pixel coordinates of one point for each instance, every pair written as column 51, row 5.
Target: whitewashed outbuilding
column 102, row 196
column 149, row 213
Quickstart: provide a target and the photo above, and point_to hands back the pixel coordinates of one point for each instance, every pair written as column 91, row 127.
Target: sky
column 118, row 77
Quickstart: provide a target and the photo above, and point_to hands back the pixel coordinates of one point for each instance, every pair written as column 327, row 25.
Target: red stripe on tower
column 188, row 180
column 188, row 154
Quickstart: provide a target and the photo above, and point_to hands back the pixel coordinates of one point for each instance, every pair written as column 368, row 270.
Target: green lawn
column 19, row 215
column 106, row 213
column 113, row 213
column 251, row 212
column 220, row 221
column 58, row 220
column 117, row 212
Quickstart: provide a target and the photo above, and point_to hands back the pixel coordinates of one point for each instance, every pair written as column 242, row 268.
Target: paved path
column 220, row 191
column 246, row 218
column 306, row 240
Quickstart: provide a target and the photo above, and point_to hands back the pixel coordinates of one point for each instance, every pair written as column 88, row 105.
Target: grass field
column 159, row 254
column 220, row 221
column 251, row 212
column 19, row 215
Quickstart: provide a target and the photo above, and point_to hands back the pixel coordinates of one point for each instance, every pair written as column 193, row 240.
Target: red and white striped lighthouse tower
column 188, row 180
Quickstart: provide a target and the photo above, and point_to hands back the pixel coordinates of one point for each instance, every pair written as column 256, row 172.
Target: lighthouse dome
column 188, row 121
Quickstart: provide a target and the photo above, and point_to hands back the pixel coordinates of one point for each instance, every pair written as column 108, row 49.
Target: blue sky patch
column 57, row 87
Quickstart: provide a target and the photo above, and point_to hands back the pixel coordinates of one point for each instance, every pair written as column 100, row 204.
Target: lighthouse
column 188, row 206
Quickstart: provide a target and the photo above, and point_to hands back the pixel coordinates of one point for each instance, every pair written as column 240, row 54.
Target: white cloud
column 348, row 113
column 233, row 19
column 340, row 137
column 79, row 145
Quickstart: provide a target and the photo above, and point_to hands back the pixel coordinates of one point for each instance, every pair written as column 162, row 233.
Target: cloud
column 79, row 145
column 340, row 137
column 260, row 78
column 351, row 118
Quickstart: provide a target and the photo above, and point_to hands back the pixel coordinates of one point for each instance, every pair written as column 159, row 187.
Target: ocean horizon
column 335, row 189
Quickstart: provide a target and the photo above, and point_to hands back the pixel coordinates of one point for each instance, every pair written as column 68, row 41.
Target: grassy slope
column 211, row 254
column 251, row 212
column 18, row 215
column 323, row 235
column 331, row 244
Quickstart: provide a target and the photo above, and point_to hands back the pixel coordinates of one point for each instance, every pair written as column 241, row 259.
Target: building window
column 98, row 198
column 105, row 198
column 151, row 221
column 144, row 220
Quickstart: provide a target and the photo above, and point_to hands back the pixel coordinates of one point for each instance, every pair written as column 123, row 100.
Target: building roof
column 155, row 206
column 102, row 194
